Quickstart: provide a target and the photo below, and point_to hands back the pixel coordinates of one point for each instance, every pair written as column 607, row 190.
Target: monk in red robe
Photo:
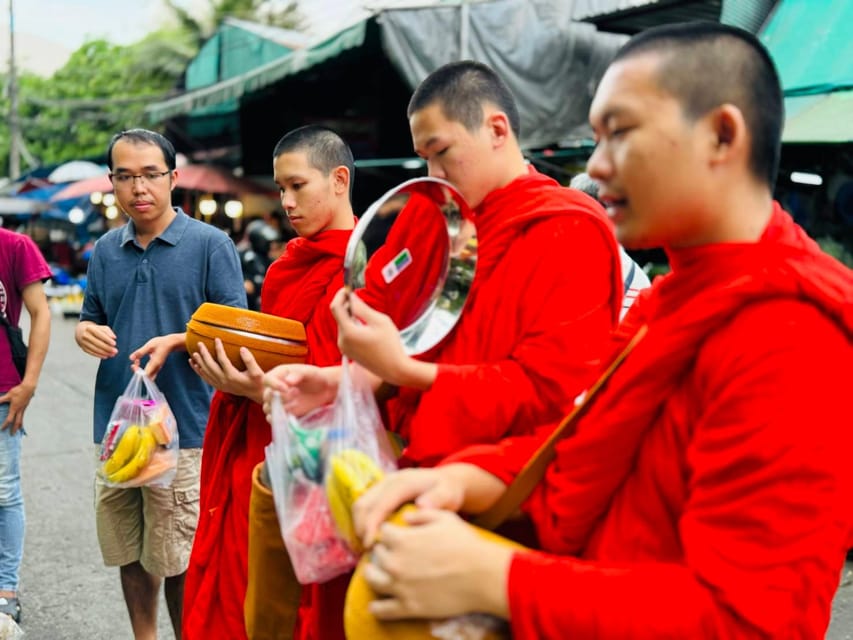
column 706, row 492
column 313, row 169
column 545, row 297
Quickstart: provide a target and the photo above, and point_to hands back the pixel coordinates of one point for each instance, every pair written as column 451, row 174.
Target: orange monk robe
column 298, row 285
column 545, row 298
column 707, row 492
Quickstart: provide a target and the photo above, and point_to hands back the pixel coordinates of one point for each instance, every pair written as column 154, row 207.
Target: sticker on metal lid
column 394, row 268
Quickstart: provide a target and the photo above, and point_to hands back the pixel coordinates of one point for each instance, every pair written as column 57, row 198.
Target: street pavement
column 66, row 592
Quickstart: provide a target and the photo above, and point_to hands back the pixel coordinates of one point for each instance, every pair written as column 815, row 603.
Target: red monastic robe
column 545, row 298
column 707, row 492
column 299, row 285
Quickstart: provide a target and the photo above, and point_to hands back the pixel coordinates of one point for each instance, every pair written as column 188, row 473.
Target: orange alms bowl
column 271, row 339
column 360, row 623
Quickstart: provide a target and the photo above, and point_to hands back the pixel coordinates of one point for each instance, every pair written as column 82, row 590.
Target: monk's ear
column 497, row 124
column 728, row 135
column 340, row 179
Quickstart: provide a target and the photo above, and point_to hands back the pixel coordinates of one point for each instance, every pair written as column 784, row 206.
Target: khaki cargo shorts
column 152, row 525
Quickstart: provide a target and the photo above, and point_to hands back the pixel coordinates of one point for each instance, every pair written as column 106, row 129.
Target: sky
column 72, row 22
column 47, row 31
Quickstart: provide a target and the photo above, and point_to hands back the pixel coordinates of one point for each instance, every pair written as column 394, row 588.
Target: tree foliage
column 271, row 12
column 104, row 88
column 100, row 90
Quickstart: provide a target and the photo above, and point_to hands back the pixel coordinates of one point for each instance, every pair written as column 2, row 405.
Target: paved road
column 67, row 593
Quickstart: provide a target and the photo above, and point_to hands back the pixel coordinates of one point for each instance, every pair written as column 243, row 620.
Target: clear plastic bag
column 317, row 553
column 140, row 445
column 356, row 452
column 9, row 629
column 471, row 626
column 300, row 458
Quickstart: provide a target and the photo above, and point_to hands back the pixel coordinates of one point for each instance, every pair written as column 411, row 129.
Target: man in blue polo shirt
column 145, row 279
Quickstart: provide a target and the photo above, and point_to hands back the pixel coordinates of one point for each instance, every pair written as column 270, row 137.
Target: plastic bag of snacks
column 356, row 452
column 318, row 465
column 294, row 461
column 140, row 445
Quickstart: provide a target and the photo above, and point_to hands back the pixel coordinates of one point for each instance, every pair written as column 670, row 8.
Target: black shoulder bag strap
column 16, row 345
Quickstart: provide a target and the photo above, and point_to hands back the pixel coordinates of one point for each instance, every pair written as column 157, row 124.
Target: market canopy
column 21, row 206
column 258, row 78
column 821, row 118
column 550, row 62
column 810, row 43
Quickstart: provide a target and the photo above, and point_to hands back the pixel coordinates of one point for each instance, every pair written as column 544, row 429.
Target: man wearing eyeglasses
column 145, row 279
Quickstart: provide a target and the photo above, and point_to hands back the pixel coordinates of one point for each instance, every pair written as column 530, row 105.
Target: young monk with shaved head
column 313, row 168
column 706, row 491
column 544, row 300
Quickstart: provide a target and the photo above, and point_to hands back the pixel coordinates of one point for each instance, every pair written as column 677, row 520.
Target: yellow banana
column 140, row 459
column 342, row 516
column 354, row 472
column 363, row 466
column 351, row 473
column 125, row 448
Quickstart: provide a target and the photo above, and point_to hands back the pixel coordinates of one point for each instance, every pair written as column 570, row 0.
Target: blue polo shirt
column 143, row 293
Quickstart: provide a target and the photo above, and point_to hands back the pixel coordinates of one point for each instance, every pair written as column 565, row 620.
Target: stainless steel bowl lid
column 413, row 255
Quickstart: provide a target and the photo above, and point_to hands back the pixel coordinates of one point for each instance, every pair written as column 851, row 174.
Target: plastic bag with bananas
column 140, row 445
column 294, row 461
column 140, row 457
column 319, row 464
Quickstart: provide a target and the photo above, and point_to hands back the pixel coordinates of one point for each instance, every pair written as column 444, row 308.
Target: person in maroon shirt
column 23, row 271
column 706, row 491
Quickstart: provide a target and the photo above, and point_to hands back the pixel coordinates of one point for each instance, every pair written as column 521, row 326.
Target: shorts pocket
column 186, row 512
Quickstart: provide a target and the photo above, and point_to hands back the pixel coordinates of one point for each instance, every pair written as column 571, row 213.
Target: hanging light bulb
column 207, row 206
column 76, row 215
column 233, row 208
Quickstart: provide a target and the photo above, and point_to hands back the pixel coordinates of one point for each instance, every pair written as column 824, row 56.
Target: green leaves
column 104, row 87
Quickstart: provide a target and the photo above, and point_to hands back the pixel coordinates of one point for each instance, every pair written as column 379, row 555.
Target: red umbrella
column 83, row 188
column 213, row 179
column 192, row 177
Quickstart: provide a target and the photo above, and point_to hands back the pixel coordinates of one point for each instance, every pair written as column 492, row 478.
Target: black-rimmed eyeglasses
column 127, row 179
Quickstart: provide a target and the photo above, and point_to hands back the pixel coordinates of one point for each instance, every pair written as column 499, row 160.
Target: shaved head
column 705, row 65
column 324, row 148
column 461, row 89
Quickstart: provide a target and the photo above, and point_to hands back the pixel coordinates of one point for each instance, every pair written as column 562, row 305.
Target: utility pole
column 14, row 132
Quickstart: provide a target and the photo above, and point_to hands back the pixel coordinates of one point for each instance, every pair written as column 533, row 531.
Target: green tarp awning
column 819, row 118
column 256, row 79
column 811, row 45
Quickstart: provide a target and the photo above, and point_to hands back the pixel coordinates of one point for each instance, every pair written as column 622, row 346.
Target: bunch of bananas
column 131, row 455
column 350, row 473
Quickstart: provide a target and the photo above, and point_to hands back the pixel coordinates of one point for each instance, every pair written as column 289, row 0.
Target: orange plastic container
column 272, row 340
